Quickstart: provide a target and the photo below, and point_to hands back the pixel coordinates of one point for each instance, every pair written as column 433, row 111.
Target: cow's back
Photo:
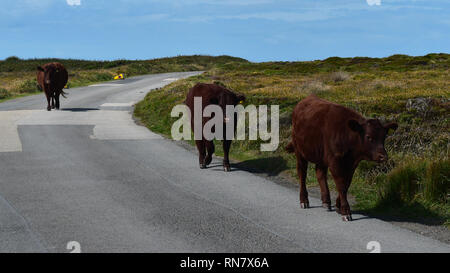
column 199, row 90
column 320, row 129
column 208, row 92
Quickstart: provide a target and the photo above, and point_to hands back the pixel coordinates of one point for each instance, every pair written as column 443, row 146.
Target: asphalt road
column 89, row 174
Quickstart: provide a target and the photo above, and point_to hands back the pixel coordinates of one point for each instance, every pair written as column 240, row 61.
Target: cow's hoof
column 226, row 168
column 347, row 218
column 304, row 205
column 202, row 166
column 327, row 206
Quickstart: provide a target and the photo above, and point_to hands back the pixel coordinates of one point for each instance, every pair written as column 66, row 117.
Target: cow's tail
column 290, row 147
column 64, row 94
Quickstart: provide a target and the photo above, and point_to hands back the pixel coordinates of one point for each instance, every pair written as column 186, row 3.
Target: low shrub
column 4, row 93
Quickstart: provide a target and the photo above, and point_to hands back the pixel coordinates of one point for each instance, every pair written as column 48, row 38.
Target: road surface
column 88, row 174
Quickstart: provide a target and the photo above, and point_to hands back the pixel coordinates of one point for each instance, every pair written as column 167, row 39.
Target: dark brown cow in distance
column 335, row 137
column 218, row 95
column 52, row 78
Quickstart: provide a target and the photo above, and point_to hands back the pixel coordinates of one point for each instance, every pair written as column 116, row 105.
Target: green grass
column 416, row 189
column 375, row 87
column 18, row 77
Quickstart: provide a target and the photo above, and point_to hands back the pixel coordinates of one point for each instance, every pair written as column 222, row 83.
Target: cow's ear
column 391, row 126
column 40, row 68
column 354, row 125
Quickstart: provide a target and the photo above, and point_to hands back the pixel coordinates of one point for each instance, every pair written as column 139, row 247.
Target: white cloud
column 73, row 2
column 374, row 2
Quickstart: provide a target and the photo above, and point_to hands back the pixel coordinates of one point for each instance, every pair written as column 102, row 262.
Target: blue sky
column 257, row 30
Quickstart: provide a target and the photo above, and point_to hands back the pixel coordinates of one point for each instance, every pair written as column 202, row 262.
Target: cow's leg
column 226, row 152
column 338, row 205
column 53, row 101
column 302, row 167
column 210, row 151
column 321, row 173
column 201, row 153
column 57, row 100
column 342, row 180
column 345, row 207
column 49, row 108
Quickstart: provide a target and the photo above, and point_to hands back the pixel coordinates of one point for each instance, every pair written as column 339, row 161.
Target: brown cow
column 52, row 78
column 218, row 95
column 335, row 137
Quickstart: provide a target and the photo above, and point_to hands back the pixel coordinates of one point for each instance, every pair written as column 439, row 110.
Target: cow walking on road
column 52, row 78
column 218, row 95
column 337, row 138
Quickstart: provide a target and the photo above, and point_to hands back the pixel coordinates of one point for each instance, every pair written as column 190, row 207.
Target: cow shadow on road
column 269, row 166
column 79, row 109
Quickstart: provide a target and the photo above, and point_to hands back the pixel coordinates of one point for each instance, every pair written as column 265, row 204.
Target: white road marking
column 105, row 84
column 9, row 136
column 108, row 125
column 122, row 132
column 170, row 79
column 117, row 104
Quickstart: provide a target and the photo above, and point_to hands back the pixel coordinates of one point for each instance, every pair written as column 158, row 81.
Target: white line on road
column 105, row 84
column 117, row 104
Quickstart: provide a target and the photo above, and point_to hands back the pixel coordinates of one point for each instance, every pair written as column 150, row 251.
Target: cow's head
column 229, row 98
column 373, row 135
column 50, row 72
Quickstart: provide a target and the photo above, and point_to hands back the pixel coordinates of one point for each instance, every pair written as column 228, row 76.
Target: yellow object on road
column 119, row 77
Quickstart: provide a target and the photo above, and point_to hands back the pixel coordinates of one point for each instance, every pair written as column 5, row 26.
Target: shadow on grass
column 409, row 213
column 271, row 166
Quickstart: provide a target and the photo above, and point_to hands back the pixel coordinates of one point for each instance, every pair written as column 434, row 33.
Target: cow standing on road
column 218, row 95
column 335, row 137
column 52, row 78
